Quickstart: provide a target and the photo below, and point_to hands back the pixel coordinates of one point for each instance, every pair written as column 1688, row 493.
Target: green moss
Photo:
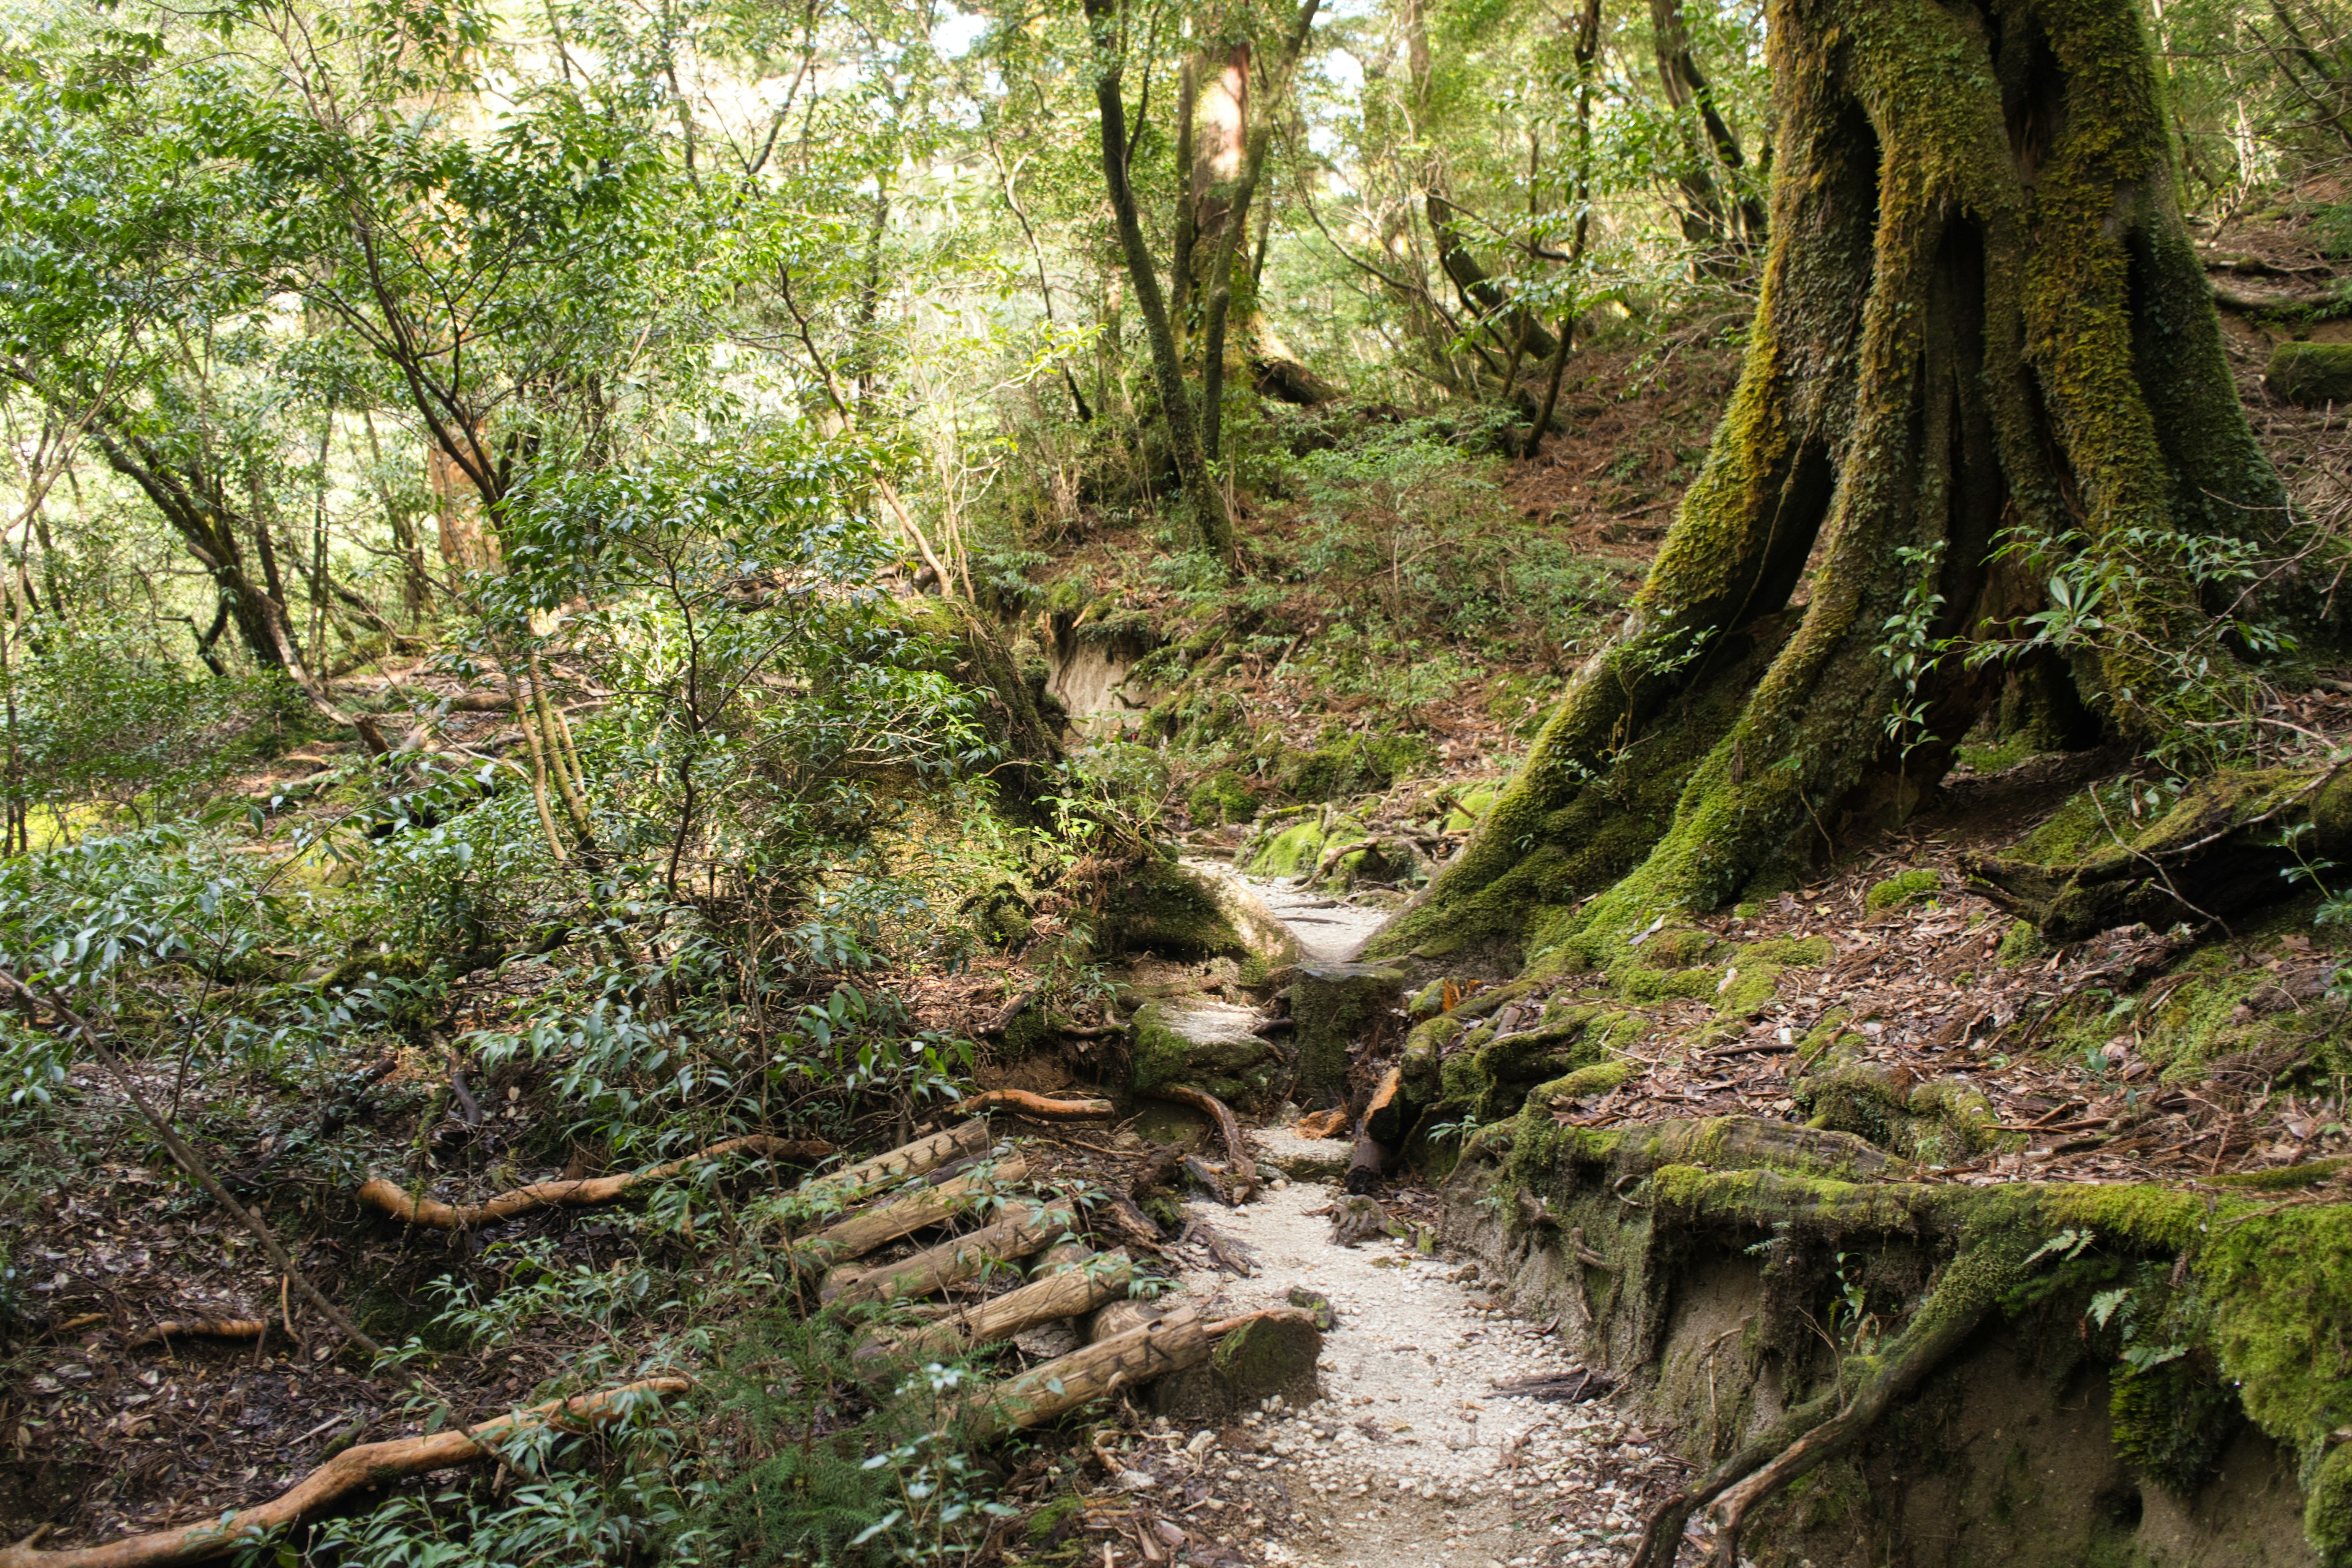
column 1789, row 953
column 2327, row 1509
column 1903, row 887
column 1289, row 853
column 1238, row 1069
column 2143, row 1214
column 1648, row 985
column 1224, row 796
column 2172, row 1422
column 1600, row 1077
column 2279, row 1285
column 2021, row 943
column 1753, row 982
column 2310, row 372
column 1678, row 948
column 1346, row 765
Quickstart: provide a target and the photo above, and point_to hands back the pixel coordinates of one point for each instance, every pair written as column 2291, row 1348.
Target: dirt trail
column 1411, row 1457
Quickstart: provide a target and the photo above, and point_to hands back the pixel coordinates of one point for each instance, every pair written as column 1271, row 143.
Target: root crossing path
column 1411, row 1457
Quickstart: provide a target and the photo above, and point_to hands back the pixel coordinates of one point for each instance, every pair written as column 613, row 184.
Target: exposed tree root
column 1229, row 1126
column 354, row 1470
column 1970, row 1290
column 382, row 1193
column 199, row 1328
column 1038, row 1108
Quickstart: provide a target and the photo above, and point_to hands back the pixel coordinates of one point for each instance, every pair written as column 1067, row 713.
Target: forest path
column 1411, row 1457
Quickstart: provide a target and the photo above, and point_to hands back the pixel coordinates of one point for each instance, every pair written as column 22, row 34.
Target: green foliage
column 828, row 1471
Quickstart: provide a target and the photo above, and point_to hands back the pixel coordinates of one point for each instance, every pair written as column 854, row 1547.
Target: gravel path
column 1412, row 1458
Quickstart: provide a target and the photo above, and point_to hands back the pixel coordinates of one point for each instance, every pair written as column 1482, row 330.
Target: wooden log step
column 1071, row 1290
column 852, row 1183
column 861, row 1233
column 1172, row 1344
column 1028, row 1223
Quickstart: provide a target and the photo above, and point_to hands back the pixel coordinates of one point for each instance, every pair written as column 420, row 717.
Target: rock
column 1333, row 1007
column 1206, row 1044
column 1188, row 912
column 1302, row 1159
column 2310, row 372
column 1268, row 1356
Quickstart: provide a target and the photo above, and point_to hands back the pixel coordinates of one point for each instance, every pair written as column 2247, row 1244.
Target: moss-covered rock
column 2310, row 372
column 1262, row 1359
column 1903, row 887
column 1334, row 1006
column 1203, row 1048
column 1291, row 851
column 1183, row 912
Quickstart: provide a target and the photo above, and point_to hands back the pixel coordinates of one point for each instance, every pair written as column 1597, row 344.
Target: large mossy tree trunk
column 1984, row 357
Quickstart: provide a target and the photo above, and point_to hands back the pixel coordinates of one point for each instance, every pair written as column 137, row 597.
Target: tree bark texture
column 1984, row 355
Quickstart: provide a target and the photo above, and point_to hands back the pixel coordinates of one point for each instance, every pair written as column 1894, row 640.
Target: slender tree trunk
column 1201, row 491
column 1586, row 51
column 1715, row 214
column 1233, row 224
column 1985, row 357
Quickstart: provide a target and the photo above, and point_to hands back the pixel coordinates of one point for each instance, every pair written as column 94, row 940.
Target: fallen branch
column 1027, row 1227
column 1077, row 1288
column 31, row 1001
column 1123, row 1360
column 1368, row 1162
column 862, row 1233
column 851, row 1183
column 1038, row 1108
column 354, row 1470
column 382, row 1193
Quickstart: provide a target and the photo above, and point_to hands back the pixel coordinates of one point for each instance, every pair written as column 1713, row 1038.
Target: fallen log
column 1038, row 1108
column 1077, row 1289
column 354, row 1470
column 861, row 1232
column 1026, row 1226
column 851, row 1183
column 1123, row 1360
column 199, row 1328
column 381, row 1192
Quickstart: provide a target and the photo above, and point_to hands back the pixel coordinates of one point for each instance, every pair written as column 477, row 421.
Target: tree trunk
column 1985, row 358
column 1201, row 491
column 1716, row 216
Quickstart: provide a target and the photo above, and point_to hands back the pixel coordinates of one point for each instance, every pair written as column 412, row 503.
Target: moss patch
column 1903, row 887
